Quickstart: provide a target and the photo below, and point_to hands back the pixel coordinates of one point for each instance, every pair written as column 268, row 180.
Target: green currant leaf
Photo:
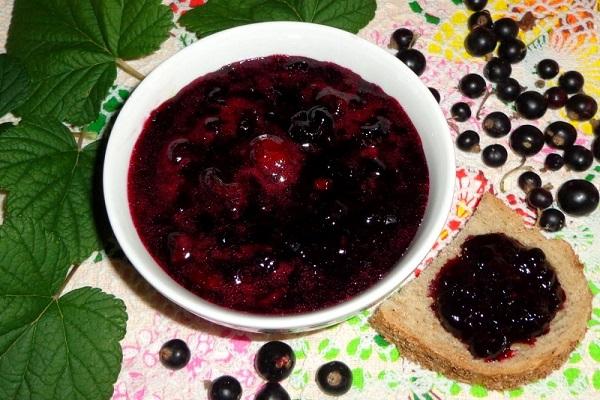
column 71, row 49
column 14, row 84
column 215, row 16
column 51, row 347
column 50, row 180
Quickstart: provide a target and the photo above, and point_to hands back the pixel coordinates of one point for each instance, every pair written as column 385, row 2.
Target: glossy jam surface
column 278, row 185
column 496, row 293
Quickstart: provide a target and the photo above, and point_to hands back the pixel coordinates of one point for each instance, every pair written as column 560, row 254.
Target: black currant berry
column 552, row 220
column 275, row 361
column 468, row 141
column 174, row 354
column 480, row 41
column 508, row 90
column 334, row 378
column 539, row 198
column 272, row 391
column 578, row 197
column 581, row 107
column 512, row 50
column 506, row 28
column 460, row 111
column 497, row 70
column 571, row 81
column 435, row 94
column 413, row 59
column 556, row 97
column 531, row 105
column 578, row 158
column 225, row 388
column 560, row 135
column 554, row 162
column 475, row 5
column 529, row 180
column 547, row 68
column 496, row 124
column 494, row 155
column 472, row 85
column 402, row 38
column 480, row 19
column 526, row 140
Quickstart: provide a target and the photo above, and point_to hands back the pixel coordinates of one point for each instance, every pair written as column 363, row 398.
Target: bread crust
column 420, row 337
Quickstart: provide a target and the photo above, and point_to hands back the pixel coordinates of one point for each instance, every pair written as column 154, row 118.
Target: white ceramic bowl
column 316, row 41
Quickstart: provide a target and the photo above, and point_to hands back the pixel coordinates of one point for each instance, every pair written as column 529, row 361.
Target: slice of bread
column 407, row 319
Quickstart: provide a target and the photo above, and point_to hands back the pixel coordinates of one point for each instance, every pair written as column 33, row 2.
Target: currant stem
column 488, row 93
column 130, row 70
column 512, row 171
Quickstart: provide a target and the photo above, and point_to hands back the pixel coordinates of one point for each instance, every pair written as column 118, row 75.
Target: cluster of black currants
column 274, row 362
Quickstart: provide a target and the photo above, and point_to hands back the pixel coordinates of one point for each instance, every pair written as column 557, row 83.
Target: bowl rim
column 289, row 322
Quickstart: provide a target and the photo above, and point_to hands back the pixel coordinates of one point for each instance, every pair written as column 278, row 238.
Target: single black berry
column 560, row 135
column 472, row 85
column 275, row 361
column 539, row 198
column 435, row 94
column 460, row 111
column 526, row 140
column 497, row 70
column 480, row 19
column 475, row 5
column 552, row 220
column 508, row 90
column 403, row 38
column 506, row 28
column 496, row 124
column 578, row 158
column 571, row 81
column 480, row 41
column 174, row 354
column 529, row 180
column 554, row 162
column 272, row 391
column 413, row 59
column 512, row 50
column 547, row 68
column 531, row 105
column 334, row 378
column 225, row 388
column 581, row 107
column 494, row 155
column 556, row 97
column 468, row 141
column 578, row 197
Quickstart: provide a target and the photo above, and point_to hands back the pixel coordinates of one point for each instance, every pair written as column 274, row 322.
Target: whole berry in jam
column 413, row 59
column 480, row 19
column 275, row 361
column 556, row 97
column 403, row 38
column 311, row 125
column 578, row 158
column 571, row 81
column 435, row 93
column 531, row 105
column 581, row 107
column 529, row 180
column 277, row 160
column 497, row 70
column 472, row 85
column 526, row 140
column 272, row 391
column 554, row 162
column 552, row 220
column 174, row 354
column 547, row 68
column 578, row 197
column 460, row 111
column 496, row 124
column 475, row 5
column 539, row 198
column 506, row 28
column 508, row 90
column 468, row 141
column 494, row 155
column 334, row 378
column 225, row 388
column 480, row 41
column 512, row 50
column 560, row 135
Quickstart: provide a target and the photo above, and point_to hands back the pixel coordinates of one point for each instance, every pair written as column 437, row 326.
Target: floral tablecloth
column 565, row 30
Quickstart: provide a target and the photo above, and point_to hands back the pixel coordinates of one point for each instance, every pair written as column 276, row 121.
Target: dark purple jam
column 496, row 293
column 278, row 185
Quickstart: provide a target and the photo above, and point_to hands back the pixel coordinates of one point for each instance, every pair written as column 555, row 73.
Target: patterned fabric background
column 565, row 30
